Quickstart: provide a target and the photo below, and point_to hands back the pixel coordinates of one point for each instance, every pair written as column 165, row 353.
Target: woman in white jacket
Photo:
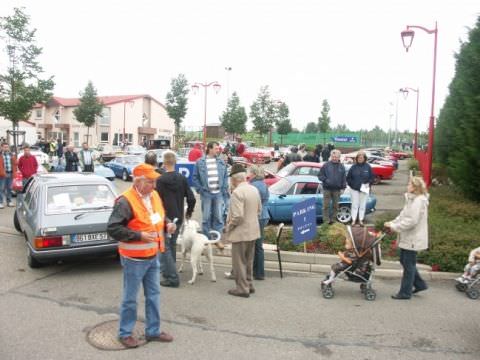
column 412, row 228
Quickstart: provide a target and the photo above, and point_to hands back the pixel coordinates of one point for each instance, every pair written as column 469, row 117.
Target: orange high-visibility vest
column 141, row 222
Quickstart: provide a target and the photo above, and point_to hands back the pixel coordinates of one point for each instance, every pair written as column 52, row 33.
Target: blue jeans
column 6, row 187
column 411, row 278
column 146, row 272
column 212, row 212
column 168, row 260
column 259, row 257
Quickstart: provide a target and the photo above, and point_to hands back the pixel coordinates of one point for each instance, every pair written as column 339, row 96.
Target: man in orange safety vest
column 138, row 222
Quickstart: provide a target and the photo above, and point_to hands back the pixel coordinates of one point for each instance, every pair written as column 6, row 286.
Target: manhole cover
column 104, row 336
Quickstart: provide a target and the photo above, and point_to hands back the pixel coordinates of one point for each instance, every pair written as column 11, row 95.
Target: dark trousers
column 88, row 168
column 411, row 278
column 168, row 259
column 259, row 257
column 330, row 196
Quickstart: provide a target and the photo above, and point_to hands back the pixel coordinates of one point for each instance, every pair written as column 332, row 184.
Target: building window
column 104, row 137
column 76, row 139
column 104, row 118
column 38, row 113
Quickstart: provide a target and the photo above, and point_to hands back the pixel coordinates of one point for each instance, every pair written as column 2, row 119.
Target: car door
column 300, row 191
column 31, row 212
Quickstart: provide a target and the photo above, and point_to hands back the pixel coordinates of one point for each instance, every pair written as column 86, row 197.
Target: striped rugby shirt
column 212, row 172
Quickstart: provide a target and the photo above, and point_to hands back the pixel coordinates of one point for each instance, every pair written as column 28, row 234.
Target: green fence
column 350, row 139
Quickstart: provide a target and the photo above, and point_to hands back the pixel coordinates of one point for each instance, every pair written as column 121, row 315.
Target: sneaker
column 462, row 280
column 162, row 337
column 229, row 275
column 167, row 283
column 129, row 342
column 2, row 206
column 11, row 204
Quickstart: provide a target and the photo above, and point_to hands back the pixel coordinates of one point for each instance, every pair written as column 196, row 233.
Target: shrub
column 413, row 165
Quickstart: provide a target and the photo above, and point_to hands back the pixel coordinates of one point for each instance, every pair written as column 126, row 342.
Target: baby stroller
column 359, row 267
column 471, row 287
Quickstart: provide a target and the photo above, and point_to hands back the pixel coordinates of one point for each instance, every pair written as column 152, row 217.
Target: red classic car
column 257, row 156
column 400, row 154
column 312, row 168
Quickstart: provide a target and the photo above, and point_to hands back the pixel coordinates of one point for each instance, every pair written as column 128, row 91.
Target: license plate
column 89, row 237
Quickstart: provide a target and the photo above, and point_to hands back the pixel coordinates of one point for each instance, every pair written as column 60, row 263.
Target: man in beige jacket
column 242, row 229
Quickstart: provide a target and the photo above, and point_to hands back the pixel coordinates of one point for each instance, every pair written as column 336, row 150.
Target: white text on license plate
column 90, row 237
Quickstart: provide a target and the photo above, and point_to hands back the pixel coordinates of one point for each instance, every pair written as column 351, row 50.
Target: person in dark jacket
column 318, row 152
column 59, row 148
column 326, row 152
column 71, row 159
column 173, row 189
column 293, row 156
column 310, row 156
column 332, row 176
column 359, row 178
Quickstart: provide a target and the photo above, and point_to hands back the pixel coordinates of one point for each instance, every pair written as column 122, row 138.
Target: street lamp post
column 407, row 39
column 195, row 87
column 406, row 90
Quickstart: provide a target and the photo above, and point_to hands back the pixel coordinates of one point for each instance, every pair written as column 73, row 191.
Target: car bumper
column 80, row 251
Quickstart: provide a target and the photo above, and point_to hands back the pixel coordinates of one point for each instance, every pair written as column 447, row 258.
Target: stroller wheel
column 370, row 294
column 461, row 287
column 363, row 288
column 328, row 292
column 472, row 293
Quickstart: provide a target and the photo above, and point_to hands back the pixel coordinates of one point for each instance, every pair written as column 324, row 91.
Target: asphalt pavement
column 46, row 314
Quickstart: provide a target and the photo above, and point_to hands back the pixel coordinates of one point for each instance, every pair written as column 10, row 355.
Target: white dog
column 191, row 240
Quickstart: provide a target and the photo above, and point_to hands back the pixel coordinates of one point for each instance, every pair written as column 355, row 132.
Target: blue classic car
column 122, row 166
column 293, row 189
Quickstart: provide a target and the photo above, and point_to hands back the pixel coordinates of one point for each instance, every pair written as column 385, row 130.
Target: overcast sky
column 346, row 51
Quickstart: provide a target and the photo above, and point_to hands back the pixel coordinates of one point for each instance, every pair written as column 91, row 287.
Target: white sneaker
column 2, row 206
column 462, row 280
column 11, row 204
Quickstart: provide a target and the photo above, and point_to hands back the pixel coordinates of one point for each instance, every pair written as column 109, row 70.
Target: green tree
column 262, row 111
column 234, row 118
column 324, row 119
column 340, row 128
column 282, row 119
column 20, row 84
column 458, row 126
column 311, row 127
column 177, row 100
column 89, row 109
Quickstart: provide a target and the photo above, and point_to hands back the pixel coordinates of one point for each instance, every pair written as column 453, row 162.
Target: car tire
column 16, row 223
column 377, row 180
column 344, row 214
column 32, row 262
column 125, row 175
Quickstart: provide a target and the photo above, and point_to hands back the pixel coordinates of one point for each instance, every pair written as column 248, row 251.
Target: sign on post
column 304, row 221
column 186, row 169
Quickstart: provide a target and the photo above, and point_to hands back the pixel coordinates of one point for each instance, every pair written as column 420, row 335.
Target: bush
column 413, row 165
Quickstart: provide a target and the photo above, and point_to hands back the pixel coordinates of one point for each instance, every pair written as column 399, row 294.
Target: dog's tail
column 218, row 236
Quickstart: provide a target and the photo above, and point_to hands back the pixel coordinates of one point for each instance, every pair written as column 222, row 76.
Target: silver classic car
column 64, row 215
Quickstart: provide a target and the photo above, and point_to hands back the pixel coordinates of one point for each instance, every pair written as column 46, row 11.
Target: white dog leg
column 194, row 270
column 184, row 255
column 210, row 260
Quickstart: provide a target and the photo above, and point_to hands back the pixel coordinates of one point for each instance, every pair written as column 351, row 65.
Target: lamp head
column 217, row 87
column 195, row 89
column 407, row 38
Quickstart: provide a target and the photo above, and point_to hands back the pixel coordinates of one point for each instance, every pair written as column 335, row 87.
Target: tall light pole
column 228, row 69
column 407, row 39
column 405, row 91
column 195, row 88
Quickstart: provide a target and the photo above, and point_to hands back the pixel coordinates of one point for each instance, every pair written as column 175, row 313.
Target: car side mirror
column 282, row 196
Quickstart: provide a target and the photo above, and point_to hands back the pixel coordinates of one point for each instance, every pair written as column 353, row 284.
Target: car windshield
column 74, row 198
column 134, row 159
column 280, row 187
column 287, row 170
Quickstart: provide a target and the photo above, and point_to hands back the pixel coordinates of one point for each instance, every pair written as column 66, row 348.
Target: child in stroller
column 469, row 280
column 357, row 262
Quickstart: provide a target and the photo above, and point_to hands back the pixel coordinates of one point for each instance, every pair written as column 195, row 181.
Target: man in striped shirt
column 210, row 180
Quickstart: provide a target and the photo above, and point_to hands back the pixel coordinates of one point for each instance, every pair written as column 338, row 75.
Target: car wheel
column 32, row 262
column 344, row 214
column 16, row 223
column 125, row 175
column 377, row 180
